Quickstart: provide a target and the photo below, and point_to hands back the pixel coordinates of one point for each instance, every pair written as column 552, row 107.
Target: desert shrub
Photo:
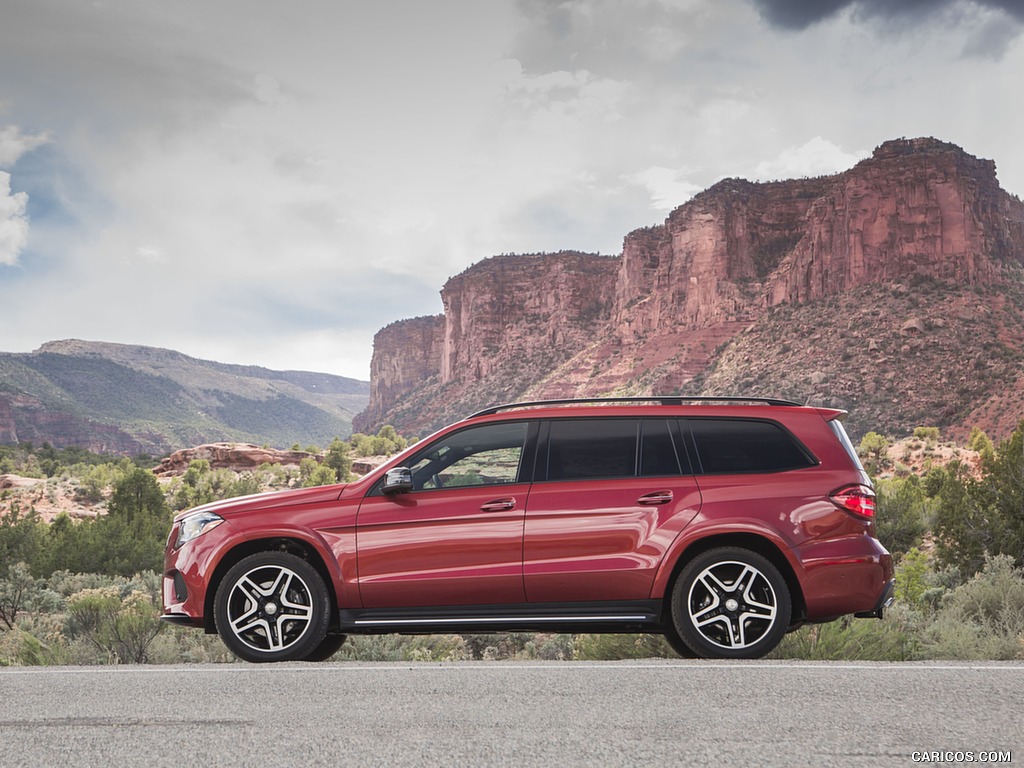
column 200, row 484
column 848, row 638
column 612, row 647
column 21, row 592
column 982, row 618
column 386, row 443
column 120, row 628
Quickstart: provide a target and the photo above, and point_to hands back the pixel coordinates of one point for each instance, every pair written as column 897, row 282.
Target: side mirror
column 397, row 480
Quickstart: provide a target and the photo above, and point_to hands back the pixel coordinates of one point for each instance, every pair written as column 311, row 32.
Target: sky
column 271, row 183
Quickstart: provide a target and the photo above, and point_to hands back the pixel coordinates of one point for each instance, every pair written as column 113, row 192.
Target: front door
column 457, row 537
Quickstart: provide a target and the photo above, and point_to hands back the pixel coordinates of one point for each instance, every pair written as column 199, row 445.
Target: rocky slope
column 892, row 289
column 126, row 399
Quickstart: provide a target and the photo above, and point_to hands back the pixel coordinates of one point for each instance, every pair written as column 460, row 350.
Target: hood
column 241, row 504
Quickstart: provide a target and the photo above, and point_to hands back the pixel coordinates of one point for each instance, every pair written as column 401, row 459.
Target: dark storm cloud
column 800, row 14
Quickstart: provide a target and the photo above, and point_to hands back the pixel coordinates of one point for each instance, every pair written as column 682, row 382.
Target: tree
column 982, row 443
column 902, row 516
column 965, row 527
column 872, row 450
column 21, row 538
column 314, row 473
column 132, row 535
column 1003, row 490
column 338, row 459
column 70, row 546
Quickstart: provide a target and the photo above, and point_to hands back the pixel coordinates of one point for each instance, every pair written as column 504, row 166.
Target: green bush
column 121, row 628
column 902, row 515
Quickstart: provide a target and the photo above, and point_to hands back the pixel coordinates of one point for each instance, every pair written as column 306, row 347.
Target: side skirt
column 606, row 617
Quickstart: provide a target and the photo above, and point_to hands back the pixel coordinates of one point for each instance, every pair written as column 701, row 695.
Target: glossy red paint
column 442, row 547
column 512, row 549
column 604, row 541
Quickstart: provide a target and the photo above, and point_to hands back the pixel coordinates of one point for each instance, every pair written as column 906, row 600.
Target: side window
column 591, row 448
column 657, row 453
column 486, row 455
column 737, row 445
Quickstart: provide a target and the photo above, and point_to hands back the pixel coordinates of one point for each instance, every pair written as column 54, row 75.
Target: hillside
column 894, row 290
column 129, row 399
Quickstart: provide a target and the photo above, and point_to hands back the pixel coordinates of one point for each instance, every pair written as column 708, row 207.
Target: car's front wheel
column 730, row 603
column 329, row 646
column 272, row 606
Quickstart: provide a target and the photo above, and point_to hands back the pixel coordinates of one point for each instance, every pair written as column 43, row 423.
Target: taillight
column 858, row 500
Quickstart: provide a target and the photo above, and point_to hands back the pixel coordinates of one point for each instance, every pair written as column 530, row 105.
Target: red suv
column 720, row 522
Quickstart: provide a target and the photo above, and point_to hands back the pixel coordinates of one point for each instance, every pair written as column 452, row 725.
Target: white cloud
column 668, row 188
column 14, row 144
column 285, row 181
column 818, row 157
column 13, row 221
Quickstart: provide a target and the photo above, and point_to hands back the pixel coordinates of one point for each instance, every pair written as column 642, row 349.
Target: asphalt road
column 654, row 713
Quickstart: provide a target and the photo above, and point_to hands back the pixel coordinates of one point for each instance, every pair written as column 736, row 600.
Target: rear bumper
column 883, row 602
column 849, row 575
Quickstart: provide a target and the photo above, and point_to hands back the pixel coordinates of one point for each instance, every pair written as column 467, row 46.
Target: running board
column 630, row 616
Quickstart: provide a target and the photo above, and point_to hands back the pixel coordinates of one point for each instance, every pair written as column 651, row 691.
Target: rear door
column 609, row 497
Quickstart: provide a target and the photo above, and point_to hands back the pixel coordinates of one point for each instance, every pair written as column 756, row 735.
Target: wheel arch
column 289, row 544
column 755, row 543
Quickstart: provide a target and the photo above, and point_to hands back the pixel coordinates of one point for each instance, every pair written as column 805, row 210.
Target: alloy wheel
column 732, row 605
column 272, row 606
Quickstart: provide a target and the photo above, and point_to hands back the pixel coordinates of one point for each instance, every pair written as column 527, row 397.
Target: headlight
column 196, row 525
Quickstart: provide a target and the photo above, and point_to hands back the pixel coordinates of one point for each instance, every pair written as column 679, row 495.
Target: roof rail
column 662, row 399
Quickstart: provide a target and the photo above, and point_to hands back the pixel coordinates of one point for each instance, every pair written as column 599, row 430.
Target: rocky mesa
column 893, row 289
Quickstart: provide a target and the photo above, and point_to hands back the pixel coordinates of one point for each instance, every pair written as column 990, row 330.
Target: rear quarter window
column 844, row 440
column 732, row 446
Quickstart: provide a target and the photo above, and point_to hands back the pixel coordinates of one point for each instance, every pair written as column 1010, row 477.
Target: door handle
column 498, row 505
column 655, row 498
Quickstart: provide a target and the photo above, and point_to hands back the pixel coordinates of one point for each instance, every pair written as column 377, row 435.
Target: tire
column 676, row 643
column 272, row 606
column 730, row 603
column 327, row 648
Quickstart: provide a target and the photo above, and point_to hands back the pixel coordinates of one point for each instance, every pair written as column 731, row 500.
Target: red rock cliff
column 406, row 354
column 504, row 305
column 652, row 320
column 916, row 208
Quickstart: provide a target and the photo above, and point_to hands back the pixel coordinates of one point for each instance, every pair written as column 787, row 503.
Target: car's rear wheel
column 329, row 646
column 730, row 603
column 272, row 606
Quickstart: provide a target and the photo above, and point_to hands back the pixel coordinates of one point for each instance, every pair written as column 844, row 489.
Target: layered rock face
column 658, row 316
column 916, row 208
column 237, row 457
column 503, row 306
column 406, row 354
column 26, row 419
column 505, row 318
